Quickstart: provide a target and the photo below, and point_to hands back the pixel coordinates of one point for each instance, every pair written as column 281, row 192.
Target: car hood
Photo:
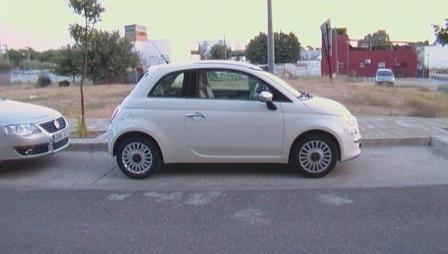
column 325, row 106
column 14, row 112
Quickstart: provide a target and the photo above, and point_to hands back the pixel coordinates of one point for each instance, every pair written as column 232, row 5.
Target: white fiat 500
column 227, row 112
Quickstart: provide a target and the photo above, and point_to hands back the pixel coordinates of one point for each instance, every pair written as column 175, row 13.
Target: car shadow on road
column 23, row 167
column 225, row 169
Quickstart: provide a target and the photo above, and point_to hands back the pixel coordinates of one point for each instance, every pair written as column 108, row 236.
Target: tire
column 138, row 157
column 314, row 156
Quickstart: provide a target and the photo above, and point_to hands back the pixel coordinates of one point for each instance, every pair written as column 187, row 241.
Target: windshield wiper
column 304, row 94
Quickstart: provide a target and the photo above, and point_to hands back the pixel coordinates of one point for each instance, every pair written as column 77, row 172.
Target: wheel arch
column 135, row 133
column 317, row 132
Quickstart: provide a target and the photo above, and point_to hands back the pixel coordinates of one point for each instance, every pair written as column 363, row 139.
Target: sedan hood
column 326, row 106
column 14, row 112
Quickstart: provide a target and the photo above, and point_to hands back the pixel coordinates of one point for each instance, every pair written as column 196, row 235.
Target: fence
column 31, row 76
column 300, row 69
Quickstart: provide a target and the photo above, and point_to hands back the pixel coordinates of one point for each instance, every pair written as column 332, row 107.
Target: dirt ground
column 407, row 98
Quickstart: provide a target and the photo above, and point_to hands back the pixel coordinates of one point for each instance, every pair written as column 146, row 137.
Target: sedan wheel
column 138, row 157
column 315, row 156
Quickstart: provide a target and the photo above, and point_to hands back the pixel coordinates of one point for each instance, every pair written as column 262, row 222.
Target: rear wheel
column 315, row 155
column 138, row 157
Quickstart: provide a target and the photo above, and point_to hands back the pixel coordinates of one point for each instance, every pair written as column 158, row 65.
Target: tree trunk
column 84, row 74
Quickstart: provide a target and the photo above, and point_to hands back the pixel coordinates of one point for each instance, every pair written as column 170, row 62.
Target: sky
column 43, row 24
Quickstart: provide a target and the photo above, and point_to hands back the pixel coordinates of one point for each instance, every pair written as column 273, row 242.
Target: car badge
column 56, row 124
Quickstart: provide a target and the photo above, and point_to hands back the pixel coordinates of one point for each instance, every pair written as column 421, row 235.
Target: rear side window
column 170, row 85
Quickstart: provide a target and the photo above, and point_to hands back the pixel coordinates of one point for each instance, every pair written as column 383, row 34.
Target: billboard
column 135, row 32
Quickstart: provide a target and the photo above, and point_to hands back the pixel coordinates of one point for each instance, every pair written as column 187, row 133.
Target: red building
column 353, row 60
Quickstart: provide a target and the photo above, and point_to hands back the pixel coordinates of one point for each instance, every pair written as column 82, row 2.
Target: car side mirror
column 267, row 97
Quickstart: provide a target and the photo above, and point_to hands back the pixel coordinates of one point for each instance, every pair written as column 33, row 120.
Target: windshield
column 384, row 73
column 283, row 83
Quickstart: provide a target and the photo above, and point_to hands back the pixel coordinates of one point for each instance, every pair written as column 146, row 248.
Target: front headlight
column 22, row 130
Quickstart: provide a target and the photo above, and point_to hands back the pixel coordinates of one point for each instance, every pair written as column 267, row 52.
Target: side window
column 230, row 85
column 171, row 85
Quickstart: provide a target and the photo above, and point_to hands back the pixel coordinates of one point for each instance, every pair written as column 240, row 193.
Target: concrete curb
column 96, row 145
column 87, row 145
column 404, row 141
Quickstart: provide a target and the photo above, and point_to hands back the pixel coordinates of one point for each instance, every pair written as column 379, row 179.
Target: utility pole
column 271, row 54
column 225, row 48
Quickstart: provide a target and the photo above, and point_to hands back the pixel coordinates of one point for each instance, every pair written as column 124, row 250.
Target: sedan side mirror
column 267, row 97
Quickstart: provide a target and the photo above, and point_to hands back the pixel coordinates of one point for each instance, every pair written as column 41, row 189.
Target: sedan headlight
column 22, row 130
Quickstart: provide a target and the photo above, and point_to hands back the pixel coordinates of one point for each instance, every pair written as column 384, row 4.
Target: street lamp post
column 271, row 55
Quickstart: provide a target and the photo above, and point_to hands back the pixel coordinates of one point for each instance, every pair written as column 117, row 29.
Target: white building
column 150, row 52
column 153, row 52
column 310, row 53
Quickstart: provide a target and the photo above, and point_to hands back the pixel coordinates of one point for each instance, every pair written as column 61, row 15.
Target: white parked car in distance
column 228, row 112
column 385, row 76
column 30, row 131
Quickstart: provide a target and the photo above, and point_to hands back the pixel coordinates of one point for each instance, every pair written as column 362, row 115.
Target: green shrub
column 43, row 81
column 4, row 66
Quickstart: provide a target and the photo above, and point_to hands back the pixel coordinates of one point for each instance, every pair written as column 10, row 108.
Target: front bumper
column 351, row 142
column 42, row 144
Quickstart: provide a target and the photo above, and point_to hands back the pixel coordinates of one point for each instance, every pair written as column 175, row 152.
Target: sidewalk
column 375, row 131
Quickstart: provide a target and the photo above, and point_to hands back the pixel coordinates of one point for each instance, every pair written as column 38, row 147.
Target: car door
column 162, row 114
column 225, row 122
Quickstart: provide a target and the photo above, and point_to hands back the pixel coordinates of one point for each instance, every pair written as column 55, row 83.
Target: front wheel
column 315, row 155
column 138, row 157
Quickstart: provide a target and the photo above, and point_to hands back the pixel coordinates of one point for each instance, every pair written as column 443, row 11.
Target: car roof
column 384, row 70
column 206, row 64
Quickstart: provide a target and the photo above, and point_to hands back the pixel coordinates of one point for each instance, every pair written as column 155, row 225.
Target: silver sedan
column 29, row 131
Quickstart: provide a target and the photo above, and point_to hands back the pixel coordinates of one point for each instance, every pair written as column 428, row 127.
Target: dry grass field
column 100, row 100
column 361, row 98
column 365, row 98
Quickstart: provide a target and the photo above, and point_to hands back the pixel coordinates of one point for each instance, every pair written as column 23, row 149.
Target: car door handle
column 195, row 115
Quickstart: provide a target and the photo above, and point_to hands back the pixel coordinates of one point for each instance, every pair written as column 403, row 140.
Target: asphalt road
column 376, row 167
column 373, row 220
column 390, row 200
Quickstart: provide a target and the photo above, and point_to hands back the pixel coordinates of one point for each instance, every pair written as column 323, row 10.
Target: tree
column 202, row 50
column 110, row 57
column 237, row 54
column 378, row 40
column 68, row 62
column 441, row 34
column 257, row 49
column 16, row 56
column 91, row 11
column 48, row 56
column 287, row 48
column 219, row 51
